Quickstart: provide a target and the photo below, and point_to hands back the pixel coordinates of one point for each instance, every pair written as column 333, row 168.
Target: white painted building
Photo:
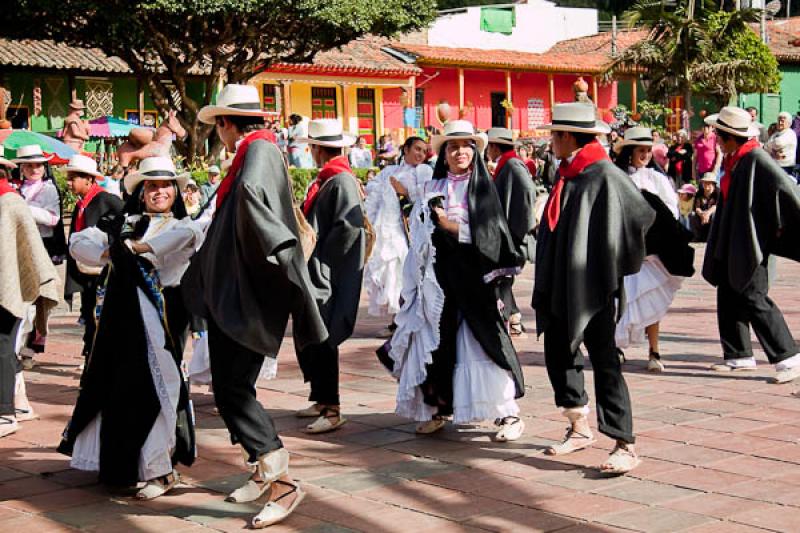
column 539, row 25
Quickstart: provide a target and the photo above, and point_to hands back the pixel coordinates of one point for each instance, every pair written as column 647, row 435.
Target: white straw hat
column 638, row 136
column 213, row 169
column 234, row 99
column 158, row 169
column 85, row 165
column 576, row 117
column 327, row 132
column 501, row 136
column 458, row 129
column 733, row 120
column 31, row 153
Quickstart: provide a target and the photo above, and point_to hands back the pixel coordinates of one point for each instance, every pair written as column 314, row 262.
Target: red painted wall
column 441, row 84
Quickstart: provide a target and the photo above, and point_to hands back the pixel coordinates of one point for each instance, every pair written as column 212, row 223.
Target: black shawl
column 336, row 267
column 760, row 216
column 250, row 274
column 118, row 383
column 460, row 270
column 599, row 239
column 517, row 194
column 669, row 239
column 100, row 212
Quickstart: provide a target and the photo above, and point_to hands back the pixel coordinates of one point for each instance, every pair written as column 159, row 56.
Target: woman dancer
column 471, row 371
column 390, row 196
column 650, row 292
column 132, row 421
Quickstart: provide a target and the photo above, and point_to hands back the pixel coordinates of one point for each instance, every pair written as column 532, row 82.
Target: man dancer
column 517, row 193
column 758, row 215
column 592, row 234
column 334, row 208
column 246, row 280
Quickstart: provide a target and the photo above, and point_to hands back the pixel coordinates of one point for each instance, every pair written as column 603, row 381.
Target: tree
column 167, row 43
column 697, row 46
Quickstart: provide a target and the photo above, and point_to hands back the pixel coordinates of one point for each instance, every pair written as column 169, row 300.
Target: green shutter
column 498, row 19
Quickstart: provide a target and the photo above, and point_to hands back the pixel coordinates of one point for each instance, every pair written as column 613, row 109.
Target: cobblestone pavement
column 721, row 452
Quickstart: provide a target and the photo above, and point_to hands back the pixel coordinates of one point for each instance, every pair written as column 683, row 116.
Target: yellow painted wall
column 300, row 99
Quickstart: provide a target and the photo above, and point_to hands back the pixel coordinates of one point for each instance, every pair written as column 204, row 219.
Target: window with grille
column 323, row 102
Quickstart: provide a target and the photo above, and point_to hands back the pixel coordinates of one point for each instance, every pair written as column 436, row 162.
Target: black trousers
column 9, row 365
column 88, row 304
column 738, row 311
column 320, row 366
column 565, row 370
column 234, row 371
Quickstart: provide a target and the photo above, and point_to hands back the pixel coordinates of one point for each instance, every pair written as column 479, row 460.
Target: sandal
column 654, row 364
column 273, row 512
column 431, row 426
column 511, row 428
column 324, row 423
column 159, row 486
column 517, row 330
column 24, row 415
column 268, row 469
column 312, row 411
column 8, row 425
column 621, row 356
column 573, row 442
column 621, row 461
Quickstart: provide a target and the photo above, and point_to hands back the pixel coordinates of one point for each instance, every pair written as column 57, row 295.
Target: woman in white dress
column 133, row 421
column 650, row 292
column 471, row 371
column 390, row 196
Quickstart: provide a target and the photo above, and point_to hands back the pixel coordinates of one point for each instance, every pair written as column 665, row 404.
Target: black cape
column 118, row 383
column 336, row 267
column 100, row 212
column 250, row 275
column 517, row 195
column 599, row 239
column 759, row 217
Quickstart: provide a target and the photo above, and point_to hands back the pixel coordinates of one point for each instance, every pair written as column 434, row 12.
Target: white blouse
column 653, row 181
column 456, row 202
column 173, row 242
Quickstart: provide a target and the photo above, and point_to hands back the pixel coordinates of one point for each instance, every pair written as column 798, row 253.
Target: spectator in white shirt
column 360, row 155
column 782, row 145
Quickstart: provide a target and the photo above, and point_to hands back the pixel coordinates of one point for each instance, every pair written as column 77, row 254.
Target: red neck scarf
column 589, row 154
column 511, row 154
column 83, row 203
column 226, row 184
column 6, row 187
column 730, row 161
column 337, row 165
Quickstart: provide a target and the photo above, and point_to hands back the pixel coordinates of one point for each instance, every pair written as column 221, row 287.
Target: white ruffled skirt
column 648, row 294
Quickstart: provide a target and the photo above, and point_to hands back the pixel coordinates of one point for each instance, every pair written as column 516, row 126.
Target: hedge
column 301, row 177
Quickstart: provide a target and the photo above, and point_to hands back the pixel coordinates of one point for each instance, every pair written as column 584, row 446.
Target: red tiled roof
column 360, row 57
column 59, row 56
column 784, row 39
column 585, row 54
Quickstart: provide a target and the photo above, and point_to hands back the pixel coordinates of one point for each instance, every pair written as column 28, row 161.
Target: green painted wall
column 769, row 105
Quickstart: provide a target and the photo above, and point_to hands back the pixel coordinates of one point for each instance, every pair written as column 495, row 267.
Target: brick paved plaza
column 721, row 452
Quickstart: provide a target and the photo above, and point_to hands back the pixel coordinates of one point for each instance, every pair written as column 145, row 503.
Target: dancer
column 334, row 208
column 41, row 194
column 28, row 280
column 758, row 215
column 390, row 196
column 591, row 235
column 132, row 421
column 517, row 194
column 649, row 292
column 94, row 207
column 470, row 371
column 245, row 281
